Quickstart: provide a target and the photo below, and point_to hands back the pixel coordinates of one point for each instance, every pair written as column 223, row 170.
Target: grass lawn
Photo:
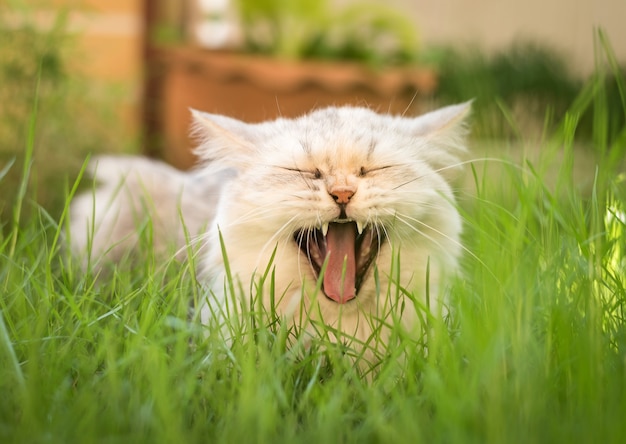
column 534, row 350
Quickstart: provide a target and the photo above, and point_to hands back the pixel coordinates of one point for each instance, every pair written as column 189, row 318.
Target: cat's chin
column 345, row 250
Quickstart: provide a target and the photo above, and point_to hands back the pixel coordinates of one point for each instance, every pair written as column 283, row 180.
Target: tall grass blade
column 28, row 158
column 10, row 352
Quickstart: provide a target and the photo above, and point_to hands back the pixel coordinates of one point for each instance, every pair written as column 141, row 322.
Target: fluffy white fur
column 134, row 197
column 260, row 184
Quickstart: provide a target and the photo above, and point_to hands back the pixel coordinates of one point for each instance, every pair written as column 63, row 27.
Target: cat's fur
column 269, row 191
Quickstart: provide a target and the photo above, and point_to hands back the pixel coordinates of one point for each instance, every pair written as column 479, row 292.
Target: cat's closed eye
column 315, row 174
column 365, row 171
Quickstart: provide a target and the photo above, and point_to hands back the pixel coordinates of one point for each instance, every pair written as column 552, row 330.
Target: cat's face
column 338, row 190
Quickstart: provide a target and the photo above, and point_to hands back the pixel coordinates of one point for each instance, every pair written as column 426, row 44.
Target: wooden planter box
column 254, row 89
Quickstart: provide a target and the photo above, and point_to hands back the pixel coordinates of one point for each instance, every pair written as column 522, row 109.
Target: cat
column 350, row 210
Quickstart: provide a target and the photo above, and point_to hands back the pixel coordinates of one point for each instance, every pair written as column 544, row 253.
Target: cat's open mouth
column 349, row 250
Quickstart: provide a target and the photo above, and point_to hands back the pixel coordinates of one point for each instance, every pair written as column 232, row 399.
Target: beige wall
column 110, row 34
column 566, row 24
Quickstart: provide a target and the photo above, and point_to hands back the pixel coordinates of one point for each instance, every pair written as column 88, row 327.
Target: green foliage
column 530, row 82
column 526, row 77
column 41, row 89
column 31, row 68
column 522, row 69
column 367, row 32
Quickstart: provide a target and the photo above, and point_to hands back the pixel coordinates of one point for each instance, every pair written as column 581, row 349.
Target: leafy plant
column 368, row 32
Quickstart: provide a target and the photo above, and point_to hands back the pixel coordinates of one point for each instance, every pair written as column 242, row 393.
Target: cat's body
column 133, row 193
column 360, row 194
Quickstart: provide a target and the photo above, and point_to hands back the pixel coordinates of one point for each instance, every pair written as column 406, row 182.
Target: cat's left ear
column 442, row 134
column 223, row 141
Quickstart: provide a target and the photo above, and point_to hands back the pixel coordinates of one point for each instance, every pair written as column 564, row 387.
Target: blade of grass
column 6, row 168
column 609, row 53
column 5, row 339
column 28, row 158
column 66, row 208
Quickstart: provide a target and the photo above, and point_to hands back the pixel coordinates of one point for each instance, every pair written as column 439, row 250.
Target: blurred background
column 79, row 77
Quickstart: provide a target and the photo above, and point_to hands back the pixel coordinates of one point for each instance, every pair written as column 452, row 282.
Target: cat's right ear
column 223, row 140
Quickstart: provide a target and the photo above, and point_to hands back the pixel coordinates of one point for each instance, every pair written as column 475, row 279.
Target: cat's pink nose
column 343, row 194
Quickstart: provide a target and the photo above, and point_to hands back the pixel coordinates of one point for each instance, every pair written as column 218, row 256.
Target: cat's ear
column 224, row 141
column 442, row 134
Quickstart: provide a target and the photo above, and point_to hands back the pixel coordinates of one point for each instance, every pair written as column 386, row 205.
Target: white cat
column 359, row 194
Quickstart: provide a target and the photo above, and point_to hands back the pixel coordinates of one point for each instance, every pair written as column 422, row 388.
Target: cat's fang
column 325, row 229
column 359, row 227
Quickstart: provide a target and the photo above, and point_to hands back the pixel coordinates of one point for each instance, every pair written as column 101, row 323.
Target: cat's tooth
column 325, row 228
column 359, row 226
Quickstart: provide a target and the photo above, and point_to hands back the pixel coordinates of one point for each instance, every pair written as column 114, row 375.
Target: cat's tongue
column 339, row 285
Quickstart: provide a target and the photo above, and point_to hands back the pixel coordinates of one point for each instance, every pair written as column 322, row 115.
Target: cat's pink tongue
column 339, row 285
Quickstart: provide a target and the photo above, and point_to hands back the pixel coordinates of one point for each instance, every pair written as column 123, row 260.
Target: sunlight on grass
column 615, row 222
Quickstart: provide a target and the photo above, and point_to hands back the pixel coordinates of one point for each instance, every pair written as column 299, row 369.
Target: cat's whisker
column 481, row 159
column 401, row 219
column 380, row 227
column 399, row 235
column 502, row 208
column 406, row 110
column 406, row 219
column 460, row 164
column 195, row 243
column 205, row 239
column 374, row 224
column 268, row 214
column 279, row 232
column 268, row 209
column 455, row 241
column 308, row 249
column 192, row 245
column 423, row 204
column 385, row 232
column 253, row 214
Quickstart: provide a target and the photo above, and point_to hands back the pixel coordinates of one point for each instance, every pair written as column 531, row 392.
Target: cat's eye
column 316, row 173
column 365, row 171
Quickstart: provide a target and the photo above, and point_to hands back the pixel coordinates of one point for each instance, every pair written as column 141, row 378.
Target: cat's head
column 341, row 184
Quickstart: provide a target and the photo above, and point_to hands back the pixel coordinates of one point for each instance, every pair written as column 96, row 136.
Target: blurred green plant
column 45, row 102
column 527, row 83
column 525, row 76
column 368, row 32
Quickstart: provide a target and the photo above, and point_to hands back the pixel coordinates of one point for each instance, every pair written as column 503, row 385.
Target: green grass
column 535, row 350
